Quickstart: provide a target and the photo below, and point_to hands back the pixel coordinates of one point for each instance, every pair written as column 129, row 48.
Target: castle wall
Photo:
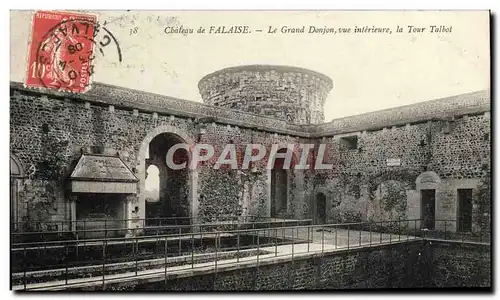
column 381, row 178
column 49, row 133
column 49, row 130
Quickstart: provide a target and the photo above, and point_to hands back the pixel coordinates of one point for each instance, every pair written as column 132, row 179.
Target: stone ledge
column 128, row 99
column 477, row 102
column 124, row 98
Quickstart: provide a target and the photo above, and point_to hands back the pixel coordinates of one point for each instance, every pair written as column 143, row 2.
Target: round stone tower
column 292, row 94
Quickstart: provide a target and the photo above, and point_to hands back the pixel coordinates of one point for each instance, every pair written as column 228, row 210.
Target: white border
column 211, row 5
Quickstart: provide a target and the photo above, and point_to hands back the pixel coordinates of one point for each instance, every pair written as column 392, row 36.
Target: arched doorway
column 152, row 191
column 16, row 176
column 427, row 185
column 280, row 185
column 172, row 203
column 320, row 208
column 279, row 192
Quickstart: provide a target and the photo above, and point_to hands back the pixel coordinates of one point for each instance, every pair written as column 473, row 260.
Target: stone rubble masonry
column 286, row 93
column 128, row 99
column 447, row 140
column 456, row 264
column 433, row 110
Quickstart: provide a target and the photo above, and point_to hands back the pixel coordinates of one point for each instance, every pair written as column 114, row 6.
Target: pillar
column 72, row 202
column 132, row 209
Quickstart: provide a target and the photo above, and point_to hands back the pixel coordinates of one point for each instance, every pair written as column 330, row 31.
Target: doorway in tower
column 320, row 208
column 280, row 186
column 166, row 190
column 279, row 190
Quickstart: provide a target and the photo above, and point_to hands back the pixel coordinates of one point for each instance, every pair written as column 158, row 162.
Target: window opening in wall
column 152, row 188
column 356, row 191
column 350, row 142
column 45, row 128
column 279, row 188
column 97, row 149
column 447, row 127
column 320, row 208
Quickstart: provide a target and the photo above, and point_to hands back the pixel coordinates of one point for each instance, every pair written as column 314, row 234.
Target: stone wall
column 440, row 155
column 458, row 264
column 49, row 133
column 438, row 109
column 415, row 264
column 49, row 130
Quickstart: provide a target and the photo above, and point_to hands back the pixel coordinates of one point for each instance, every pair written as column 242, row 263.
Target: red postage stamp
column 61, row 52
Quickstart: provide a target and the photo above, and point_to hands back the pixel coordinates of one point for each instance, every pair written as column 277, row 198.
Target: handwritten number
column 134, row 30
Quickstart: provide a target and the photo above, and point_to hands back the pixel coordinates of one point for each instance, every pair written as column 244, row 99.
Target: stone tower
column 293, row 94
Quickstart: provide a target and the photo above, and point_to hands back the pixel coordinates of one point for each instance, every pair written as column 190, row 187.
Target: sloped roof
column 102, row 168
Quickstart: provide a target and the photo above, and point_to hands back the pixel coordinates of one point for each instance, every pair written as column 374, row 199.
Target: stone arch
column 16, row 167
column 159, row 130
column 16, row 185
column 428, row 180
column 322, row 190
column 141, row 170
column 286, row 145
column 391, row 200
column 407, row 180
column 405, row 176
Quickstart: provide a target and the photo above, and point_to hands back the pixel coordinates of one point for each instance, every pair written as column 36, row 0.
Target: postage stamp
column 343, row 142
column 63, row 49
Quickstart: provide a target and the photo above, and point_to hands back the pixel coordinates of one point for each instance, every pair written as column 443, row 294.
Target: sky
column 369, row 71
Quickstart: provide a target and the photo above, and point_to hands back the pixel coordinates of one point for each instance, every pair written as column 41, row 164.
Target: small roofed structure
column 102, row 174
